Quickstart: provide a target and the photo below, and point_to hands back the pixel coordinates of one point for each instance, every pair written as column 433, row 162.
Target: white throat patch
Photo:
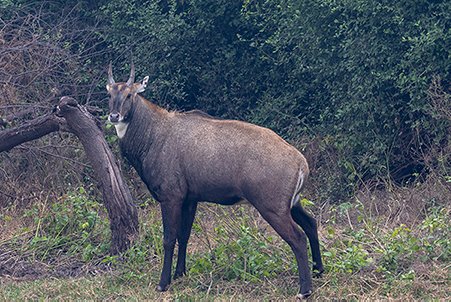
column 121, row 128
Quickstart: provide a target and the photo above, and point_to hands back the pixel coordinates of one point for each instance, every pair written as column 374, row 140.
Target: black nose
column 114, row 117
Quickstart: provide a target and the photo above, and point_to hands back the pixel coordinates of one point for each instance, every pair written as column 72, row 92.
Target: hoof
column 304, row 295
column 178, row 275
column 317, row 273
column 161, row 288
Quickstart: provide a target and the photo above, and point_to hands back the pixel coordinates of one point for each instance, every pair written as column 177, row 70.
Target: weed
column 347, row 256
column 233, row 254
column 243, row 253
column 70, row 226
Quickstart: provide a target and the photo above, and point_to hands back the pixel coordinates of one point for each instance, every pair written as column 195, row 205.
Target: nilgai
column 188, row 157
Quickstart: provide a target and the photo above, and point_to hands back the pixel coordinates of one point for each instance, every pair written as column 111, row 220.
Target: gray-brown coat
column 186, row 158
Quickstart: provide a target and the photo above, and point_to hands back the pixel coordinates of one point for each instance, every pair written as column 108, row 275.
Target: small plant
column 399, row 250
column 71, row 225
column 347, row 256
column 436, row 234
column 243, row 252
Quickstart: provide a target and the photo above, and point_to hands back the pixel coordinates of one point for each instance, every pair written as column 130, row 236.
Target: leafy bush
column 399, row 250
column 358, row 73
column 242, row 252
column 369, row 245
column 368, row 79
column 70, row 226
column 353, row 74
column 403, row 247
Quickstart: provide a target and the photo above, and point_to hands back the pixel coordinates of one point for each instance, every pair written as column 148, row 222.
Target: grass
column 379, row 246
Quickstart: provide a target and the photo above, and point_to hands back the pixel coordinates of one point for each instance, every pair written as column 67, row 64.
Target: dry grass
column 368, row 223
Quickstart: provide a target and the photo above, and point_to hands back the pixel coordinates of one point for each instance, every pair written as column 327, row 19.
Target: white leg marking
column 304, row 296
column 121, row 128
column 297, row 189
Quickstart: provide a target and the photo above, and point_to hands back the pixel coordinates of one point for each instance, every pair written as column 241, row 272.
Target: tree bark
column 116, row 196
column 33, row 129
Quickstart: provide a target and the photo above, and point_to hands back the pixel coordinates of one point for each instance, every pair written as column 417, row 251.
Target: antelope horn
column 110, row 74
column 131, row 79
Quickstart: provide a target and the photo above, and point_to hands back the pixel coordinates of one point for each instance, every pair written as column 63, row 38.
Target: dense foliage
column 369, row 80
column 362, row 87
column 355, row 74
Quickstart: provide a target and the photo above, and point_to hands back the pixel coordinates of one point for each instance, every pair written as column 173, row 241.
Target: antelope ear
column 108, row 87
column 143, row 85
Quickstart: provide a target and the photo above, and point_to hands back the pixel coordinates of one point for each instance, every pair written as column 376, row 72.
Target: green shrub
column 399, row 250
column 367, row 244
column 242, row 252
column 70, row 225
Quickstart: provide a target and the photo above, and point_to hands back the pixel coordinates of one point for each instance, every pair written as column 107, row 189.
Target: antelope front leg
column 171, row 220
column 188, row 213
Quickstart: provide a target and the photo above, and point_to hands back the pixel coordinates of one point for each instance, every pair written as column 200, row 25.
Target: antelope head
column 122, row 97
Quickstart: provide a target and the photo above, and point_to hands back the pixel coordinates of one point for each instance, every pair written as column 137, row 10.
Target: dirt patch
column 26, row 267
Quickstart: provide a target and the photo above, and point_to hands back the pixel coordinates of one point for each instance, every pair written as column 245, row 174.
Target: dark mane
column 200, row 113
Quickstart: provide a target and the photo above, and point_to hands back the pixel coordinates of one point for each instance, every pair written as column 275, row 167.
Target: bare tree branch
column 32, row 130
